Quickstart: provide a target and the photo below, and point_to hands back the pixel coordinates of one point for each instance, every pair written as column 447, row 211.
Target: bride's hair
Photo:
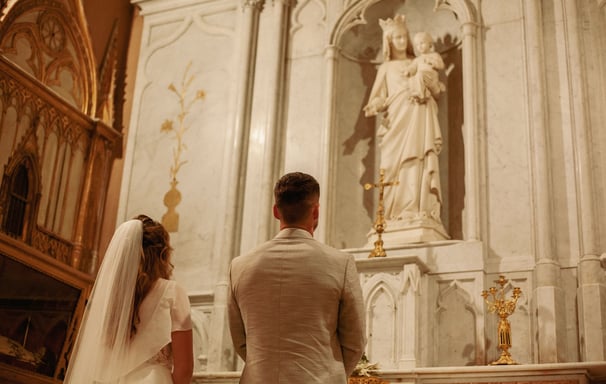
column 155, row 262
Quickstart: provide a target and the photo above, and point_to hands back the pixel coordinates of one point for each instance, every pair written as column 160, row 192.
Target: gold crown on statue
column 389, row 24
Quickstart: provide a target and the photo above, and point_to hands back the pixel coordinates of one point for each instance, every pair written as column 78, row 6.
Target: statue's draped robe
column 408, row 147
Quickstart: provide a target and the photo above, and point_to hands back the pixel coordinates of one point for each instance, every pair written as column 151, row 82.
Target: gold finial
column 379, row 224
column 503, row 308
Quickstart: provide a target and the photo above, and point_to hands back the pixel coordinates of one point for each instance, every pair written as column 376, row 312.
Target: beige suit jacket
column 296, row 312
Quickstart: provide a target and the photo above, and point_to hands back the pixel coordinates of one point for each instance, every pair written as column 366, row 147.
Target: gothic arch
column 50, row 41
column 352, row 16
column 20, row 191
column 464, row 10
column 377, row 284
column 379, row 290
column 456, row 310
column 455, row 288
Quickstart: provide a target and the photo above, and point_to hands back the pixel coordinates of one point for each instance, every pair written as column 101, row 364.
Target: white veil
column 100, row 353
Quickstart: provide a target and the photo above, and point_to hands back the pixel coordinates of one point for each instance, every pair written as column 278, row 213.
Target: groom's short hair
column 295, row 194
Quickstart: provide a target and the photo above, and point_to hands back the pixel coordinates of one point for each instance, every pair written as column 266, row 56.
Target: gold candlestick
column 503, row 308
column 379, row 224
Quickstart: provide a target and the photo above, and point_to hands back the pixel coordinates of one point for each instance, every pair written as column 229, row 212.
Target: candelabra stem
column 379, row 225
column 504, row 332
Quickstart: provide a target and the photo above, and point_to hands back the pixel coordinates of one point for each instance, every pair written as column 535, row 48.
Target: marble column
column 548, row 295
column 410, row 351
column 327, row 183
column 220, row 351
column 472, row 220
column 591, row 287
column 275, row 67
column 473, row 136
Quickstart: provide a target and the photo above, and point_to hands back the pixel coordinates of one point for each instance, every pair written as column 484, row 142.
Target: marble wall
column 283, row 84
column 181, row 127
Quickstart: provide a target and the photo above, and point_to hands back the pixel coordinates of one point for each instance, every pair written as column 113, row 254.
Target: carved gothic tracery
column 52, row 32
column 45, row 168
column 44, row 39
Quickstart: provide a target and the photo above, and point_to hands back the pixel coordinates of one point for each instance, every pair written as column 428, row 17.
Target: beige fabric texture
column 296, row 311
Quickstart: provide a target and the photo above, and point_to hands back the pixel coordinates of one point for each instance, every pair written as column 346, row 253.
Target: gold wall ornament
column 380, row 223
column 172, row 198
column 503, row 308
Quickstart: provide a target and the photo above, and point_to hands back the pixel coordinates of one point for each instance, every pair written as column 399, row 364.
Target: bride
column 137, row 324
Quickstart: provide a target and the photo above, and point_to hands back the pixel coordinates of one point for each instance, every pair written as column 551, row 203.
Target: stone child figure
column 425, row 81
column 409, row 136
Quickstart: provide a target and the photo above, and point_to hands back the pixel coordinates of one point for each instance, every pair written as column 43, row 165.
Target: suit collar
column 293, row 233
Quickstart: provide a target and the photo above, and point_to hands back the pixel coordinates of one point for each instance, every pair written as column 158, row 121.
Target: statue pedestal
column 391, row 289
column 402, row 232
column 400, row 294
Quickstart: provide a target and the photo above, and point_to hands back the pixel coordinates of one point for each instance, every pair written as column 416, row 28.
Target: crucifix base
column 400, row 232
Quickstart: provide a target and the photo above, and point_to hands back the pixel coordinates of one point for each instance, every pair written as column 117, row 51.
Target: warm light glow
column 9, row 5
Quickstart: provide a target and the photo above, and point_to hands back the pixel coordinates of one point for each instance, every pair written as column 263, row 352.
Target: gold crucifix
column 379, row 224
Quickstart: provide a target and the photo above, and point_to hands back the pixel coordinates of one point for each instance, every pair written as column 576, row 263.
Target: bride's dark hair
column 155, row 262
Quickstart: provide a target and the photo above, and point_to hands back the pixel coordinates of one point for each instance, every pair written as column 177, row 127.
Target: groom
column 296, row 311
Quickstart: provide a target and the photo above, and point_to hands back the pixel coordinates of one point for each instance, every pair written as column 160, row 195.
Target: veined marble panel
column 179, row 131
column 509, row 201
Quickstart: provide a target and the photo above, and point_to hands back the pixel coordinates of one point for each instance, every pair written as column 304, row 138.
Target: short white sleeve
column 180, row 311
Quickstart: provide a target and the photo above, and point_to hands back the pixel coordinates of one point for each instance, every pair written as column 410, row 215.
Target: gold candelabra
column 379, row 224
column 503, row 308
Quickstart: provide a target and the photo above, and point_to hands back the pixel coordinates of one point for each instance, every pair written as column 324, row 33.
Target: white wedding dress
column 166, row 302
column 104, row 351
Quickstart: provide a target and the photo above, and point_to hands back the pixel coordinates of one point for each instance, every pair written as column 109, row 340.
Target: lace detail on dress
column 164, row 357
